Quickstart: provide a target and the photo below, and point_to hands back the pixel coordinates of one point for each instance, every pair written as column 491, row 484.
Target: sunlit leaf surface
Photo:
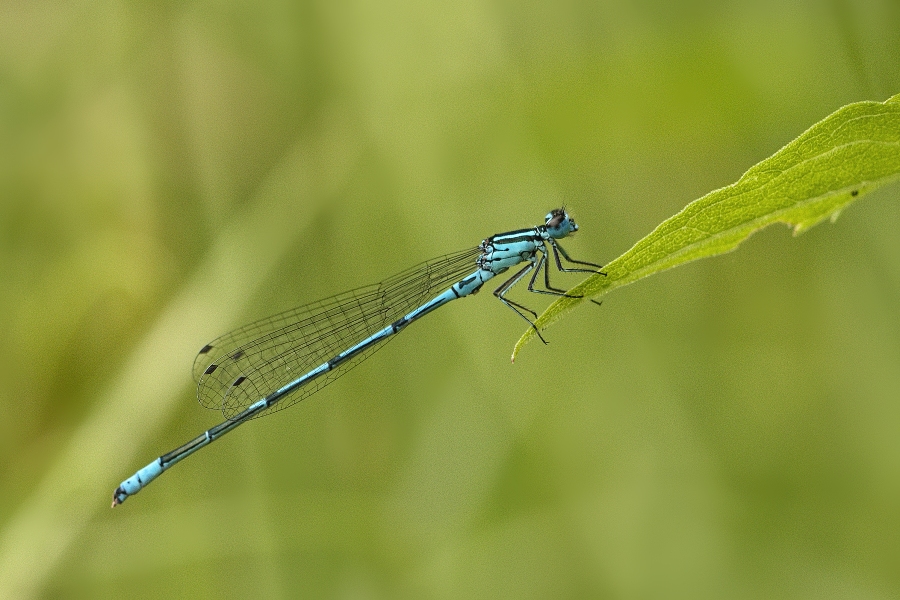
column 832, row 164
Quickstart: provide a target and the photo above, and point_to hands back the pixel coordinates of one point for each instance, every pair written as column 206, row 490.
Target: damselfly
column 274, row 363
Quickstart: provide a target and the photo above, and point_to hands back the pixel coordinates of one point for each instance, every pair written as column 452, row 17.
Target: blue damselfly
column 274, row 363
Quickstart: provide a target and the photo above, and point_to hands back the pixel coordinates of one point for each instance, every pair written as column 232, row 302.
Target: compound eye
column 548, row 217
column 555, row 220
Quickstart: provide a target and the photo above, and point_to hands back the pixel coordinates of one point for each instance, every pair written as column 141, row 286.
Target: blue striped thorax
column 504, row 250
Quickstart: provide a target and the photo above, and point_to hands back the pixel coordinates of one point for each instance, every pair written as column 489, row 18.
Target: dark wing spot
column 210, row 369
column 238, row 381
column 205, row 349
column 237, row 355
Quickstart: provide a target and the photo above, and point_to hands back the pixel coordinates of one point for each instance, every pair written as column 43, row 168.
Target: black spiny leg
column 500, row 292
column 549, row 288
column 557, row 250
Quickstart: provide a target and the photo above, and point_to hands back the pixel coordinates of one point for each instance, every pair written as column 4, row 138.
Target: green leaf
column 846, row 155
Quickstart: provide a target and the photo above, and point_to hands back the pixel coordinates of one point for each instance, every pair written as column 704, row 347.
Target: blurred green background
column 170, row 170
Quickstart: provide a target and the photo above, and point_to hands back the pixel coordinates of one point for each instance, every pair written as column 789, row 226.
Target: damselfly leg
column 500, row 292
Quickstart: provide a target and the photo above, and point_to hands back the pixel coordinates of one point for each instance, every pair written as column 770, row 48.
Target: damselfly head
column 559, row 223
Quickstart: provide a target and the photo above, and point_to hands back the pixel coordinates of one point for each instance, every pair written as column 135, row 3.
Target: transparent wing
column 249, row 363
